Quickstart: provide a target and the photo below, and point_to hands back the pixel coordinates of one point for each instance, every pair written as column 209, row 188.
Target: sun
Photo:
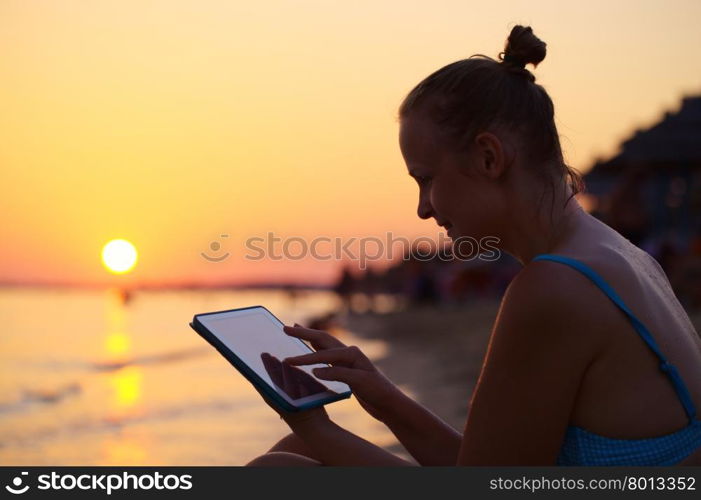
column 119, row 256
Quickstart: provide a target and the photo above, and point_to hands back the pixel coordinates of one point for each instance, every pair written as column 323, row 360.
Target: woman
column 591, row 360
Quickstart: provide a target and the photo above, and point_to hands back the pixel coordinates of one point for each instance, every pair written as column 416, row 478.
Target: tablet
column 252, row 339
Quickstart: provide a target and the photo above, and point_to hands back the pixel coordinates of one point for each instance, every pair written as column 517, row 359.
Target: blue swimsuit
column 582, row 447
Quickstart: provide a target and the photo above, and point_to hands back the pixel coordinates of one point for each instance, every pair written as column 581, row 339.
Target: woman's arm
column 333, row 445
column 546, row 336
column 428, row 439
column 543, row 341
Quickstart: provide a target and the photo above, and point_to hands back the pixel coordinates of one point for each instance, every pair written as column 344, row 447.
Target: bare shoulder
column 548, row 308
column 552, row 297
column 539, row 279
column 537, row 356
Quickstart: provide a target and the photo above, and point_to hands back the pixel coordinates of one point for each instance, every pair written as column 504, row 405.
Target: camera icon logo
column 17, row 483
column 215, row 246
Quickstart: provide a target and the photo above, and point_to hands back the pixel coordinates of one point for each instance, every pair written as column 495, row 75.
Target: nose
column 425, row 209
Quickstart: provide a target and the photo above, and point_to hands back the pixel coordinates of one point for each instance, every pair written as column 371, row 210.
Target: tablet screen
column 257, row 338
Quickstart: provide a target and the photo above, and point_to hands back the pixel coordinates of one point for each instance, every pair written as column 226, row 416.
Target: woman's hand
column 293, row 418
column 371, row 388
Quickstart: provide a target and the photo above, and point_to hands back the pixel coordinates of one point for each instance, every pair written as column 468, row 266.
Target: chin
column 456, row 232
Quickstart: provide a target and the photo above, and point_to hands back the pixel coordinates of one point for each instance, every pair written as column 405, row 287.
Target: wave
column 53, row 396
column 153, row 359
column 31, row 397
column 110, row 423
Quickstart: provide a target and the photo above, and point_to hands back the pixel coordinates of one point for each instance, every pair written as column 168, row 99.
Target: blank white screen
column 252, row 332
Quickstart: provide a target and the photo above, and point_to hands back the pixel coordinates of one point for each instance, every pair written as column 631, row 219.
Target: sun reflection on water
column 117, row 344
column 126, row 384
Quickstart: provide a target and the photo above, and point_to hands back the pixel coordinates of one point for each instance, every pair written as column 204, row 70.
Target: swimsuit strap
column 665, row 366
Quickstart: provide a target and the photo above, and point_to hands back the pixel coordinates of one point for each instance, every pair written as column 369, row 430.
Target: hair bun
column 523, row 47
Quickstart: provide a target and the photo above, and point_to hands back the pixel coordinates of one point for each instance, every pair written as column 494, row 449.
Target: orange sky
column 171, row 122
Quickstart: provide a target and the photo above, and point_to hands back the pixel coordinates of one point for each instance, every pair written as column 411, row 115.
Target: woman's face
column 457, row 189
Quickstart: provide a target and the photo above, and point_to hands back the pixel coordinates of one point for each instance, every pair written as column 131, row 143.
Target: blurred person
column 627, row 211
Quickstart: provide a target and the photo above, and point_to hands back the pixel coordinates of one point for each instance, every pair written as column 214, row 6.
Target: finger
column 306, row 383
column 338, row 355
column 349, row 376
column 318, row 338
column 273, row 366
column 290, row 385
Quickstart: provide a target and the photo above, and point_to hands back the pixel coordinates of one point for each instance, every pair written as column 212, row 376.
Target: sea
column 100, row 377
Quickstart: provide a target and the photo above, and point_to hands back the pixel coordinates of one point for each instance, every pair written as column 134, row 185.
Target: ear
column 494, row 156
